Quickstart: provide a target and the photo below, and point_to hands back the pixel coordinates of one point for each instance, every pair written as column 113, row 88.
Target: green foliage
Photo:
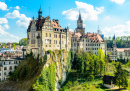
column 121, row 42
column 128, row 63
column 23, row 42
column 91, row 78
column 28, row 68
column 14, row 46
column 46, row 81
column 120, row 77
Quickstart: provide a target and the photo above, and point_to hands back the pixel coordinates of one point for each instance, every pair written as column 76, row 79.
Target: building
column 8, row 65
column 108, row 81
column 86, row 41
column 115, row 53
column 44, row 34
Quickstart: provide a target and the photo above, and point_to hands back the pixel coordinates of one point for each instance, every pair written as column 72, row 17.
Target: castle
column 44, row 34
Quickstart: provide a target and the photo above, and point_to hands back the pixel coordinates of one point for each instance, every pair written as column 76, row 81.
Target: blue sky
column 113, row 16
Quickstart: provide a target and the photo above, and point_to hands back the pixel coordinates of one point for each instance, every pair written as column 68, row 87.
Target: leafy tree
column 14, row 46
column 23, row 42
column 101, row 57
column 120, row 78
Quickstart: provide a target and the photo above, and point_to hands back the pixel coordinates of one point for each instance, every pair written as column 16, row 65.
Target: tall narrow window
column 50, row 35
column 46, row 34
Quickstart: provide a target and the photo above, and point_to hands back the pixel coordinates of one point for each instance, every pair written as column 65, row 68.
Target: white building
column 8, row 65
column 86, row 41
column 115, row 53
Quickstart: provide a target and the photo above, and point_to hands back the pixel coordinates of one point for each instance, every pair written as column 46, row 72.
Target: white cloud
column 3, row 6
column 23, row 20
column 6, row 26
column 14, row 14
column 3, row 20
column 71, row 30
column 88, row 12
column 7, row 37
column 17, row 7
column 118, row 1
column 119, row 30
column 107, row 18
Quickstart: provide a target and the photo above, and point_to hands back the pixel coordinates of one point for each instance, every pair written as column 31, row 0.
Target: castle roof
column 40, row 23
column 94, row 37
column 123, row 49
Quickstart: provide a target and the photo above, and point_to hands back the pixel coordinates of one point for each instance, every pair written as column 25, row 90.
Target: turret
column 40, row 14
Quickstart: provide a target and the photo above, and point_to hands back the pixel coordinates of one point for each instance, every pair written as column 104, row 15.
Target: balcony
column 38, row 37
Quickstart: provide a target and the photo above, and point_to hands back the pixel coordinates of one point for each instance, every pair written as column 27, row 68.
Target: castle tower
column 40, row 14
column 80, row 25
column 114, row 45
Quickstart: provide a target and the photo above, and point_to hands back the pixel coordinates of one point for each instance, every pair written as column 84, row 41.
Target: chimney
column 53, row 20
column 57, row 21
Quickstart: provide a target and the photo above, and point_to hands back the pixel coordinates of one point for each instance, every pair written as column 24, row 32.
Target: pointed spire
column 114, row 37
column 79, row 16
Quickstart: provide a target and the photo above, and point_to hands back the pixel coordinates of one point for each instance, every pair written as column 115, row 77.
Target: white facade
column 8, row 65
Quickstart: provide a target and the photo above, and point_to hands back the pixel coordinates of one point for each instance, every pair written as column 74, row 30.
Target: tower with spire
column 80, row 25
column 40, row 14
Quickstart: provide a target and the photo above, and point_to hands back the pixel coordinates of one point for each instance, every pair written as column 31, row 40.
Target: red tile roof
column 123, row 49
column 95, row 38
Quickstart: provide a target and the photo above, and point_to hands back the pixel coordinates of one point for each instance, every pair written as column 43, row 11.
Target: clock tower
column 80, row 25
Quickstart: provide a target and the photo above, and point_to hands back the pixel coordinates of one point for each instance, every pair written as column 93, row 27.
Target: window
column 0, row 74
column 50, row 35
column 56, row 35
column 46, row 34
column 49, row 41
column 5, row 68
column 15, row 67
column 32, row 41
column 49, row 45
column 28, row 35
column 99, row 44
column 62, row 36
column 9, row 63
column 74, row 44
column 46, row 45
column 38, row 41
column 0, row 69
column 59, row 36
column 10, row 68
column 56, row 41
column 5, row 73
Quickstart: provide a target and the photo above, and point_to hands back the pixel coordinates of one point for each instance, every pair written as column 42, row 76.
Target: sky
column 112, row 16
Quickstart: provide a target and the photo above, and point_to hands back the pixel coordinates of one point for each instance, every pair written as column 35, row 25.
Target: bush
column 91, row 78
column 69, row 84
column 76, row 83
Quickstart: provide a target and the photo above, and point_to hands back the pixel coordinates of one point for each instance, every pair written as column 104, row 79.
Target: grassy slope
column 78, row 82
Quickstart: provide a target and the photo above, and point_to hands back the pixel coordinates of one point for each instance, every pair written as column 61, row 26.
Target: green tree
column 23, row 42
column 14, row 46
column 101, row 57
column 120, row 78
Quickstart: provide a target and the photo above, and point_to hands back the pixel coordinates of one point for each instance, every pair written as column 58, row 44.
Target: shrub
column 91, row 78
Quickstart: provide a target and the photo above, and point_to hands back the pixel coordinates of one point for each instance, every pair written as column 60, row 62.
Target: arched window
column 5, row 68
column 10, row 68
column 15, row 67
